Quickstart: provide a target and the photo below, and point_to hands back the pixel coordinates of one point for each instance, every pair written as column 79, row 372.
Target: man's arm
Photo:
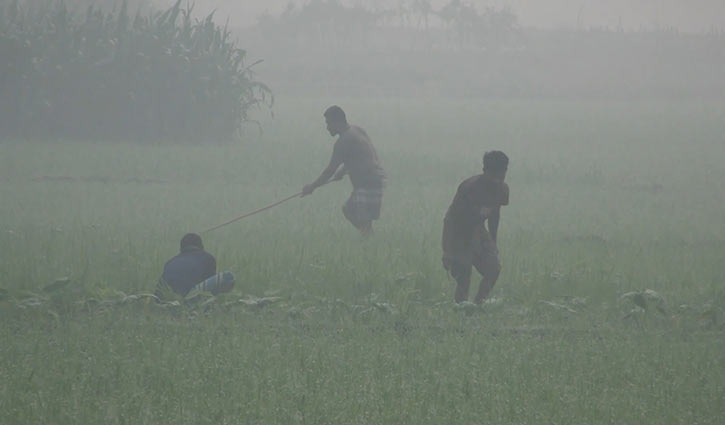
column 495, row 216
column 326, row 174
column 340, row 173
column 493, row 221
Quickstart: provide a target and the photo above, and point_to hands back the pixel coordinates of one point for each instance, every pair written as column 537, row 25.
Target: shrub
column 156, row 76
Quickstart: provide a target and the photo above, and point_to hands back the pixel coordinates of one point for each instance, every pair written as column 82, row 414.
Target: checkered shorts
column 364, row 204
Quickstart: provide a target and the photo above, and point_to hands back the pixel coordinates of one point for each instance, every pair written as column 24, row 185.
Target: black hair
column 495, row 161
column 191, row 240
column 336, row 114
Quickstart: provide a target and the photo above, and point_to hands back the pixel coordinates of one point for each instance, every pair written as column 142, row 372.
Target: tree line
column 332, row 21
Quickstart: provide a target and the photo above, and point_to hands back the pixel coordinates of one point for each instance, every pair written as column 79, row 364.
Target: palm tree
column 422, row 9
column 461, row 18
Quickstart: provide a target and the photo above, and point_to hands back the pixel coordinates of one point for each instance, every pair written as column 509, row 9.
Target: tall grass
column 104, row 75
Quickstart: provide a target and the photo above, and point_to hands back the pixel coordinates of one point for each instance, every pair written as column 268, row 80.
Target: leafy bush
column 159, row 76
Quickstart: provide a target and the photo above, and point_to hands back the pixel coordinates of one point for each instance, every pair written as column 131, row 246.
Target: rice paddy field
column 609, row 309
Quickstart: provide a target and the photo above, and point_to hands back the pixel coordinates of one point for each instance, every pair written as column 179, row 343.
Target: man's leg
column 354, row 212
column 349, row 210
column 462, row 274
column 366, row 229
column 372, row 210
column 489, row 266
column 490, row 275
column 217, row 284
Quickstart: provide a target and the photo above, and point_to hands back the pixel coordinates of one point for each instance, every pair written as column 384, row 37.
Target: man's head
column 336, row 120
column 191, row 241
column 495, row 164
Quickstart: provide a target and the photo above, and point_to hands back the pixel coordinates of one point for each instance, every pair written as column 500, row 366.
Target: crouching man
column 466, row 241
column 193, row 269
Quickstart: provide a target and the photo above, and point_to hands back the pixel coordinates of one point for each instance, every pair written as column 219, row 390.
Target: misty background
column 686, row 16
column 561, row 48
column 618, row 50
column 557, row 49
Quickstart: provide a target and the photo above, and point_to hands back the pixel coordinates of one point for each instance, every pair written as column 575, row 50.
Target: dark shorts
column 363, row 205
column 459, row 256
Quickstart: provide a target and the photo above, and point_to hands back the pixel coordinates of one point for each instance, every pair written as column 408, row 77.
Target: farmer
column 353, row 154
column 466, row 241
column 194, row 268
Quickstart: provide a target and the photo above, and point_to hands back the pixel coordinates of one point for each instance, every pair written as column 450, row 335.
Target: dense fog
column 690, row 16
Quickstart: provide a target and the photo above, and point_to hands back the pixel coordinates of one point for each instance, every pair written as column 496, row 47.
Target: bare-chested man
column 354, row 155
column 466, row 241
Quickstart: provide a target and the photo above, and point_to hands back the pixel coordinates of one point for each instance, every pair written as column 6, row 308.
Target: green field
column 606, row 198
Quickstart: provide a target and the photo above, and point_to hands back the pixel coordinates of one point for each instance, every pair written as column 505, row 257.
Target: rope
column 249, row 214
column 257, row 211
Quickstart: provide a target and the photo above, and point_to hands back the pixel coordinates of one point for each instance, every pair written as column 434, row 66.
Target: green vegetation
column 164, row 76
column 608, row 200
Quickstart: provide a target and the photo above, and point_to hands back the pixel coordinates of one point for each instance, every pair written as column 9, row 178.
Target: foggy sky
column 685, row 15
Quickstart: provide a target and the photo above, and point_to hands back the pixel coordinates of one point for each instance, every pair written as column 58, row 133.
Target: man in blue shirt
column 190, row 267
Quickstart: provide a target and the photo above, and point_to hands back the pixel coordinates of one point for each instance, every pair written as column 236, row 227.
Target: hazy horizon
column 691, row 16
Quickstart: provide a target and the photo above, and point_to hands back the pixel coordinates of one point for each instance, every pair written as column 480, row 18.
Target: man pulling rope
column 354, row 155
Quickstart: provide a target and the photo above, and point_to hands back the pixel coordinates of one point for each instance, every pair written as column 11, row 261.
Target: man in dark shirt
column 466, row 241
column 354, row 155
column 190, row 267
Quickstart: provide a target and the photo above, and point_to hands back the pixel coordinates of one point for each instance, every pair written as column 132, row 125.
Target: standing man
column 354, row 155
column 466, row 241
